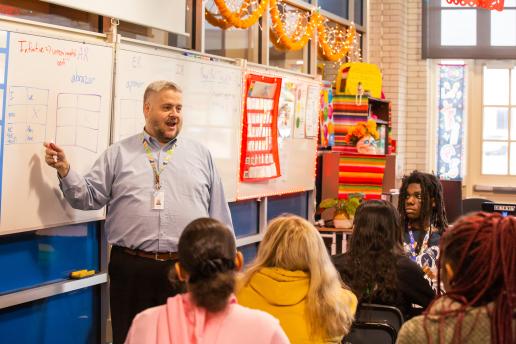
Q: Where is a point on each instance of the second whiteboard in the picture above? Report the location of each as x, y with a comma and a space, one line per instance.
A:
212, 94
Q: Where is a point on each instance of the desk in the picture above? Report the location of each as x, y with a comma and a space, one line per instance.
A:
333, 233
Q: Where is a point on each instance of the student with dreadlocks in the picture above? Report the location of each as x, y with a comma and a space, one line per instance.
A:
423, 217
478, 270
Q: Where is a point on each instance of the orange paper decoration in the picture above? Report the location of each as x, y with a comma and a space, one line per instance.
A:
235, 18
332, 51
329, 52
279, 35
487, 4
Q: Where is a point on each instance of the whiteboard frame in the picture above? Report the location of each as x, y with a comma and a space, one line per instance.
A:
191, 53
22, 26
42, 29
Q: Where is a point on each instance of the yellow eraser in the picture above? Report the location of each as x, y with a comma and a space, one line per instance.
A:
89, 273
77, 274
82, 273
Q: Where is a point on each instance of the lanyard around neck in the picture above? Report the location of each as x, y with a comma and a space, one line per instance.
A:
157, 172
412, 245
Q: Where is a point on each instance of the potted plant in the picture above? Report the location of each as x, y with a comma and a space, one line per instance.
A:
344, 209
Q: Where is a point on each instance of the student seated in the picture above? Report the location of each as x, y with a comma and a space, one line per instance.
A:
376, 268
478, 270
293, 279
423, 219
208, 313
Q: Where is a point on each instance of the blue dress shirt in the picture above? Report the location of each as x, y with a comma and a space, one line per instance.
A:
122, 178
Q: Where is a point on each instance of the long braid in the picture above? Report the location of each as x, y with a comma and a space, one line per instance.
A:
482, 250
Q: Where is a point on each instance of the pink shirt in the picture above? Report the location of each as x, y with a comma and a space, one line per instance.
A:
180, 321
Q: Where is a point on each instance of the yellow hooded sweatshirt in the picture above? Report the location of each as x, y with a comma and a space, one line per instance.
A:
282, 293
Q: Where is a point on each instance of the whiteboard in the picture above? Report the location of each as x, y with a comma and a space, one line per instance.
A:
168, 15
52, 89
212, 97
297, 144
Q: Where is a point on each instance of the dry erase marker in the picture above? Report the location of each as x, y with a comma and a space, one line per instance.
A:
53, 146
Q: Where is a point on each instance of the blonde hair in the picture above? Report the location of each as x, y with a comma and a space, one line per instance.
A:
158, 86
292, 243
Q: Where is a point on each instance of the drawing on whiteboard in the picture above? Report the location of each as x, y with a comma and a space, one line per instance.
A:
136, 62
133, 84
78, 120
35, 47
214, 75
131, 117
26, 115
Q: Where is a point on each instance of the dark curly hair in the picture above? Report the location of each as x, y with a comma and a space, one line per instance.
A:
433, 211
375, 245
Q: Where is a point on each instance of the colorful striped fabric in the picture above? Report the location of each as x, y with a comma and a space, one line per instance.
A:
346, 113
345, 149
361, 173
347, 103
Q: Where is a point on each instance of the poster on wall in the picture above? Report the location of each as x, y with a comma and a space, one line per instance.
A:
312, 111
300, 113
287, 106
326, 135
259, 158
450, 146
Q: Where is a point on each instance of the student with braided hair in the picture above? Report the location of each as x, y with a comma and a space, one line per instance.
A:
208, 313
423, 218
478, 270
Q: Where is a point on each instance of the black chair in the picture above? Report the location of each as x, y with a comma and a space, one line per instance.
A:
472, 204
452, 197
370, 333
370, 312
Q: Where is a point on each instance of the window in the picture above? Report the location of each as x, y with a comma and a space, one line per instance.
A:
359, 12
149, 34
233, 43
458, 27
295, 60
338, 7
153, 35
499, 121
503, 27
353, 10
453, 31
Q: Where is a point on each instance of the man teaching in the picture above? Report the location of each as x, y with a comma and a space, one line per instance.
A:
154, 184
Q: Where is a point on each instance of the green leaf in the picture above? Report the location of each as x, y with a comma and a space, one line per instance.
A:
328, 203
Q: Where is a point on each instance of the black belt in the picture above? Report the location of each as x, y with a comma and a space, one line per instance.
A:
160, 256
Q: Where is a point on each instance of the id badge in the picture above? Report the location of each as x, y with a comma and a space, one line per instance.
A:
158, 200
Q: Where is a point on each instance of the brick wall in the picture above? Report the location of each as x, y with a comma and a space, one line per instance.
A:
394, 43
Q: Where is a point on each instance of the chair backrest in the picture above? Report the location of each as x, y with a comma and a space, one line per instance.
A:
472, 204
370, 312
370, 332
452, 197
